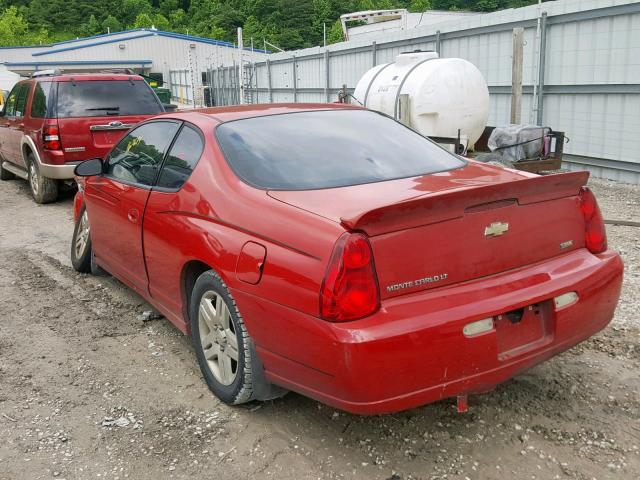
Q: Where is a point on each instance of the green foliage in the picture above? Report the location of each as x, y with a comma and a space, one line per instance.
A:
13, 28
419, 6
335, 35
288, 24
111, 24
92, 27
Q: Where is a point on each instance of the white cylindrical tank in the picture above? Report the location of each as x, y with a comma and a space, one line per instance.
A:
443, 95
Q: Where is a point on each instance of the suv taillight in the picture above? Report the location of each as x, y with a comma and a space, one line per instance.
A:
350, 287
595, 235
51, 137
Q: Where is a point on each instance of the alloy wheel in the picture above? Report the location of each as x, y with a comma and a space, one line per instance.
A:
33, 178
82, 237
218, 337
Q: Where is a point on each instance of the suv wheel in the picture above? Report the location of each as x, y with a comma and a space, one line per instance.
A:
81, 253
43, 189
5, 174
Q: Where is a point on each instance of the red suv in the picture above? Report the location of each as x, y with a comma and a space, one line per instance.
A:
53, 121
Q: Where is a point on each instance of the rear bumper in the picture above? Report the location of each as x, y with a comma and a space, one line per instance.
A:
58, 172
413, 351
52, 165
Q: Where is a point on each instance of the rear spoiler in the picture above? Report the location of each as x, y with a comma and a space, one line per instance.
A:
450, 204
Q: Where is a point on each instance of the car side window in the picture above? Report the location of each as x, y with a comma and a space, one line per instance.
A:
21, 100
137, 157
10, 109
40, 99
182, 158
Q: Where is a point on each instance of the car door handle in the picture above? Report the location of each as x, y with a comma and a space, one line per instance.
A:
133, 215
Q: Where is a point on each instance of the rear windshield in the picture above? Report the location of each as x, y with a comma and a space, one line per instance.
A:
326, 149
98, 98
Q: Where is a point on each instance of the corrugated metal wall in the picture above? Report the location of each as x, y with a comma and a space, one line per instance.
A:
591, 73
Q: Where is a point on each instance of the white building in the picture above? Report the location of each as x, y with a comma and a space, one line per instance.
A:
180, 59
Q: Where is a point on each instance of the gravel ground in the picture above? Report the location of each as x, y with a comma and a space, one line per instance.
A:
90, 387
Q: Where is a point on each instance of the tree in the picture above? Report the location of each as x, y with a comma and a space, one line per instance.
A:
13, 27
92, 27
111, 24
143, 20
321, 16
160, 22
419, 6
335, 35
132, 9
168, 6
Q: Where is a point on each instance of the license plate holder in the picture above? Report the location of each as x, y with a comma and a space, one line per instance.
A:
524, 329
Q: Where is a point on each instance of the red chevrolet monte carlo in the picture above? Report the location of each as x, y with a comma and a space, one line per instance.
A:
332, 251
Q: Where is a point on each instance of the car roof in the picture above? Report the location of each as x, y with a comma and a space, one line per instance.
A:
85, 77
239, 112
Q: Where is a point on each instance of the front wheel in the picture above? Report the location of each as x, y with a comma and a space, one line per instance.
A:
43, 189
81, 244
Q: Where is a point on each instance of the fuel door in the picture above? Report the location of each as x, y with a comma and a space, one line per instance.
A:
251, 262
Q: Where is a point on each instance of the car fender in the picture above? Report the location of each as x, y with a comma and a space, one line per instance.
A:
28, 141
78, 202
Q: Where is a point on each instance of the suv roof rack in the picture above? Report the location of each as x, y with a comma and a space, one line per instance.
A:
45, 73
127, 71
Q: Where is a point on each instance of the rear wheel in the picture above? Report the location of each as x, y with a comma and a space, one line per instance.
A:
81, 244
5, 174
224, 349
43, 189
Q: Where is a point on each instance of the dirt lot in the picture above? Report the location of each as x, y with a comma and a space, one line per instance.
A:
89, 388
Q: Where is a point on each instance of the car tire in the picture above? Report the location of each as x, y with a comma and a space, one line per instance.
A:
43, 189
81, 251
219, 334
5, 174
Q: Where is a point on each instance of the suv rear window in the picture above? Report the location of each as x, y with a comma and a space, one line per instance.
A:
99, 98
327, 149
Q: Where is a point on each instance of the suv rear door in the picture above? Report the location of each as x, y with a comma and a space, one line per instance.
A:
93, 115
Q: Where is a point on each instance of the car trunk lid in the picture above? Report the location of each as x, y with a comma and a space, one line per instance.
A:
458, 226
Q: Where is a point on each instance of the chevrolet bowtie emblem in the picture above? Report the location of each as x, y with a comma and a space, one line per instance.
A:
495, 229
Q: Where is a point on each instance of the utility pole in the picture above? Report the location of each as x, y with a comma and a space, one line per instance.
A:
516, 75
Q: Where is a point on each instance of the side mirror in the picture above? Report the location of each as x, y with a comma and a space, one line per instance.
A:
89, 168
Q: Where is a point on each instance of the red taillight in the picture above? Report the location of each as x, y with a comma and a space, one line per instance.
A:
595, 235
51, 137
350, 287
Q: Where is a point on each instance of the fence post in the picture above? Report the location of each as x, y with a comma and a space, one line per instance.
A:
516, 75
327, 93
269, 92
295, 78
374, 54
541, 67
438, 42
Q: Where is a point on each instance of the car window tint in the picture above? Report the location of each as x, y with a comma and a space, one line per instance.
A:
40, 99
182, 158
327, 149
99, 98
21, 100
10, 108
138, 156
